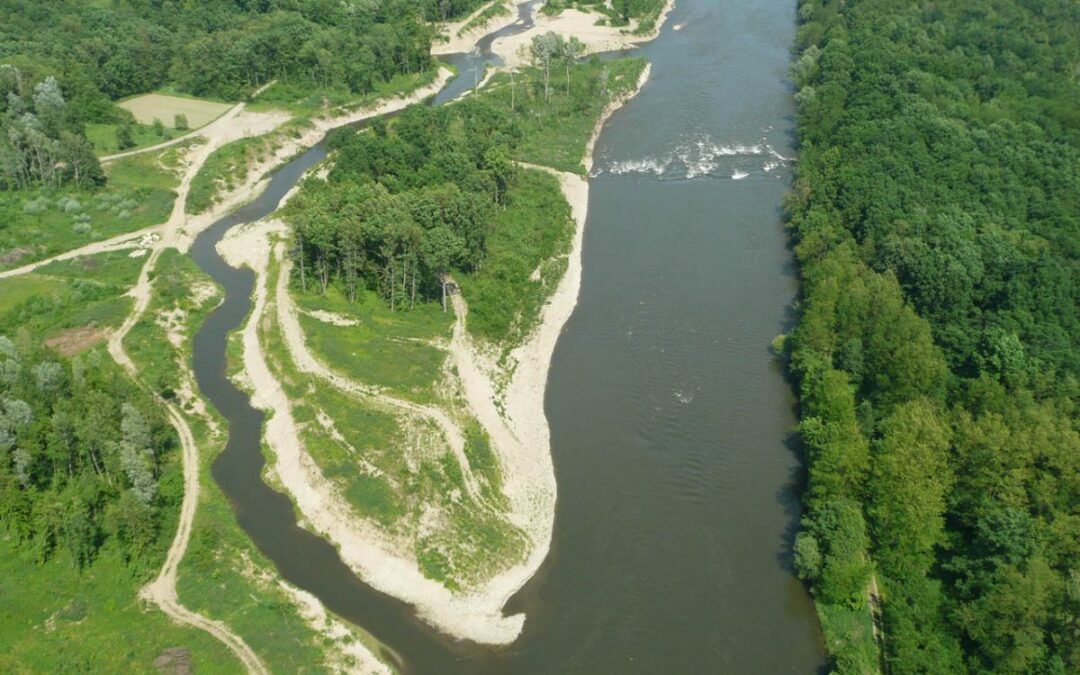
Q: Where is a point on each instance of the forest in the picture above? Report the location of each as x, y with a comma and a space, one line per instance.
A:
64, 64
937, 225
401, 208
82, 457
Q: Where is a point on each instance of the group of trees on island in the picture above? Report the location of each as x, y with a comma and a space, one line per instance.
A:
937, 221
410, 200
81, 457
403, 207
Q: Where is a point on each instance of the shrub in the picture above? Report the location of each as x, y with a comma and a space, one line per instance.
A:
68, 205
36, 205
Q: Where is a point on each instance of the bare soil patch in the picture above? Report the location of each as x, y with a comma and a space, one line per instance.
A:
148, 107
74, 340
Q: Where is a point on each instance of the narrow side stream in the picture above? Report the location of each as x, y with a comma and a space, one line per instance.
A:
304, 559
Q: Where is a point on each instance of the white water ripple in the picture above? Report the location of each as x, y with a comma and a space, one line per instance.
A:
701, 156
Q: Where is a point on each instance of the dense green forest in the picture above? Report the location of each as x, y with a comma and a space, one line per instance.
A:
105, 51
39, 143
82, 453
64, 64
399, 209
937, 221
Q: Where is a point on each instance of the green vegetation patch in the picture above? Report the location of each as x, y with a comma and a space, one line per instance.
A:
556, 131
226, 168
108, 138
56, 618
70, 304
495, 9
385, 349
533, 234
36, 224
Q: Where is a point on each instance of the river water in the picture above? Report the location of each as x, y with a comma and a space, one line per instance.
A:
671, 424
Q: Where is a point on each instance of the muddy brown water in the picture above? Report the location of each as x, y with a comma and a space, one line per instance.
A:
671, 424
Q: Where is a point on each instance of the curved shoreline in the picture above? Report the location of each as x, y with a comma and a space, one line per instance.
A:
520, 434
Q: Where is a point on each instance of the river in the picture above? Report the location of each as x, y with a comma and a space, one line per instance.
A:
671, 424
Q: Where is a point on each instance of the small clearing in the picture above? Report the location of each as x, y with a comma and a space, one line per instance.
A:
148, 107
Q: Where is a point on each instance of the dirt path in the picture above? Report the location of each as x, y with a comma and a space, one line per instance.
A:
171, 142
162, 591
117, 243
308, 363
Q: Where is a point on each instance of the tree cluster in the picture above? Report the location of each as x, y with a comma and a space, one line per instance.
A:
405, 205
38, 145
101, 52
938, 350
81, 457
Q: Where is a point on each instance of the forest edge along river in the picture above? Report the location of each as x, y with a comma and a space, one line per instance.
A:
573, 626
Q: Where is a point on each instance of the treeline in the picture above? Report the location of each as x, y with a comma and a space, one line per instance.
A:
39, 144
937, 221
619, 12
81, 457
101, 52
405, 205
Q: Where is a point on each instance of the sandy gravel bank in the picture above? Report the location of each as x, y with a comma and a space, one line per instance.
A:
466, 42
514, 49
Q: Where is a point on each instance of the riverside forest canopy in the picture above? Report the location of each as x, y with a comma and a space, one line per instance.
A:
217, 48
937, 217
64, 64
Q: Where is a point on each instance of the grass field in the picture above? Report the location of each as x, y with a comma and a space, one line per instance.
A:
148, 107
70, 305
45, 222
387, 349
103, 137
55, 618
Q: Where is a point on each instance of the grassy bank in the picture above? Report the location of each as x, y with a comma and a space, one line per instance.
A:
556, 132
303, 101
56, 618
395, 469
